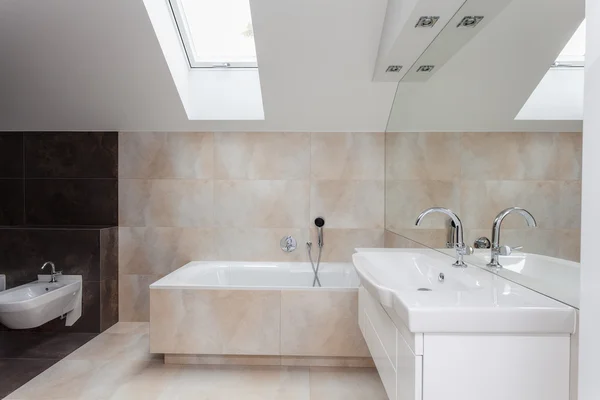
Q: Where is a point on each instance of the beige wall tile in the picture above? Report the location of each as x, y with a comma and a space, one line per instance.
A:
569, 156
249, 244
509, 156
407, 199
166, 155
134, 296
570, 245
321, 323
166, 203
561, 243
347, 156
262, 155
159, 251
427, 156
482, 201
538, 171
227, 321
348, 204
261, 204
570, 205
416, 238
340, 243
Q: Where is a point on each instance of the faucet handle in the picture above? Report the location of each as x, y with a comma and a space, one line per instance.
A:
465, 250
507, 250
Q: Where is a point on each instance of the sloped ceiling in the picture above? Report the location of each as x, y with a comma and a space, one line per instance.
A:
485, 85
97, 65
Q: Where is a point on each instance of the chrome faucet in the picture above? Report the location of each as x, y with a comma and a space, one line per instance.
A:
53, 272
498, 250
461, 248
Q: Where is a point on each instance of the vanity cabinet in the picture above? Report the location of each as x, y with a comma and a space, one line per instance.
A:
461, 366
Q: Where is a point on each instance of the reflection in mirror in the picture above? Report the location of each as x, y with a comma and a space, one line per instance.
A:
478, 168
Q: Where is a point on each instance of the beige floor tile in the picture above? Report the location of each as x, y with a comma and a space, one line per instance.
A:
129, 328
240, 383
94, 380
114, 346
345, 384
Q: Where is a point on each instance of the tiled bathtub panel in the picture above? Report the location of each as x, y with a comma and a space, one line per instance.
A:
215, 321
321, 323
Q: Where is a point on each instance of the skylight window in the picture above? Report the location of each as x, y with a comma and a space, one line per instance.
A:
216, 33
573, 55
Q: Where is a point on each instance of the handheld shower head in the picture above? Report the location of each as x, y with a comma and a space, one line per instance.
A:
320, 222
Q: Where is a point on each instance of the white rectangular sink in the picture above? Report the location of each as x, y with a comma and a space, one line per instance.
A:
467, 300
554, 277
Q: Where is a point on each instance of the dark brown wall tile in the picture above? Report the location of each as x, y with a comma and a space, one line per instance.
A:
75, 252
71, 202
109, 253
71, 154
11, 202
11, 154
109, 303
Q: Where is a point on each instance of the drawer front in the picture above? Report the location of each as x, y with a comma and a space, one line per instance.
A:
362, 299
409, 373
383, 326
386, 370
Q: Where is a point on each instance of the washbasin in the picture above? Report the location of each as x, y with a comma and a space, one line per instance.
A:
555, 277
386, 273
33, 304
408, 284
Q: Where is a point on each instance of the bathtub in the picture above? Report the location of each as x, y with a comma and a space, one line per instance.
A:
265, 313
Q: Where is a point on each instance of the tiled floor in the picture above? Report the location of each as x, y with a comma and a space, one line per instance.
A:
117, 365
23, 355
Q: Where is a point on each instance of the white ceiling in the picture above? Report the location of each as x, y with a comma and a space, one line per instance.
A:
97, 65
485, 85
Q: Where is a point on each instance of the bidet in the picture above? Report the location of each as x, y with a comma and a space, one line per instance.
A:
33, 304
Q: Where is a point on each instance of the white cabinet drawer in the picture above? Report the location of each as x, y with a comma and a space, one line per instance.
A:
383, 326
386, 370
409, 373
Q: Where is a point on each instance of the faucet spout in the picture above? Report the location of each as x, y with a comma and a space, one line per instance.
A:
459, 246
495, 249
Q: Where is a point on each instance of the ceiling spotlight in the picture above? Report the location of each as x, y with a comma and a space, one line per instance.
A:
469, 22
427, 22
426, 68
394, 68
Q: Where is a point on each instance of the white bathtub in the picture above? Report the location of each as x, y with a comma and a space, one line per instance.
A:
258, 312
258, 276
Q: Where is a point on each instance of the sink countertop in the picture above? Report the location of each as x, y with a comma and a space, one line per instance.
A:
469, 300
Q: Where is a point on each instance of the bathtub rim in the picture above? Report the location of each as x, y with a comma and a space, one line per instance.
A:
190, 286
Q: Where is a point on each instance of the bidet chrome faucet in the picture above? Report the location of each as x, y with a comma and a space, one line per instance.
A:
498, 250
461, 248
53, 272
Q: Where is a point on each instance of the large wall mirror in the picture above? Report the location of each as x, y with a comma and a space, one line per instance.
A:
478, 175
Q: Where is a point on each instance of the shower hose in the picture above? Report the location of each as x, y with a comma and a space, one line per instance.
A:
315, 269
